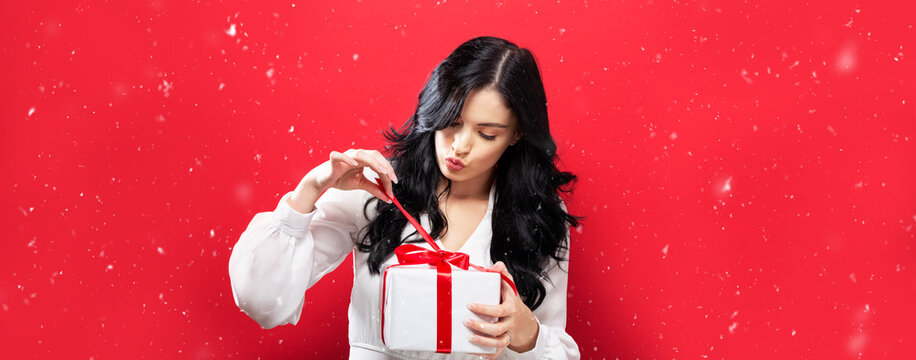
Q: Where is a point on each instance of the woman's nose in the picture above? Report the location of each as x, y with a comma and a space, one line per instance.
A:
461, 144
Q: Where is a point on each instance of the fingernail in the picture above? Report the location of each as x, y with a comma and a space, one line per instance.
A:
474, 338
354, 163
468, 322
472, 306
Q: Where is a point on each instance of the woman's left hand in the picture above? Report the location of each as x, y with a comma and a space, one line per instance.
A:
516, 327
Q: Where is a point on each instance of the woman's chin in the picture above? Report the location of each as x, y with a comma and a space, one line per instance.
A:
450, 174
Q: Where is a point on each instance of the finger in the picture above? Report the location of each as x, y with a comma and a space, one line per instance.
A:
386, 183
486, 328
386, 164
500, 341
367, 185
490, 310
368, 159
392, 175
380, 165
501, 267
365, 158
341, 159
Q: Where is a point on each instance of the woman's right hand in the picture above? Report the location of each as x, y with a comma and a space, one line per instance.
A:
344, 171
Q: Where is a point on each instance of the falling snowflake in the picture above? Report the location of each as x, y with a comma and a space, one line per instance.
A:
728, 185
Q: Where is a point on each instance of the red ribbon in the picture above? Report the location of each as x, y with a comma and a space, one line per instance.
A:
410, 254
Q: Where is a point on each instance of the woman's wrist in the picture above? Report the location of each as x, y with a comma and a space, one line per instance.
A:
304, 197
527, 338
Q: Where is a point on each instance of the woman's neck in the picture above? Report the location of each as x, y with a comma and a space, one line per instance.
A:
476, 188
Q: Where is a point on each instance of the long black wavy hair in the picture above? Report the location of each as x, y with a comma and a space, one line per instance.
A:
530, 225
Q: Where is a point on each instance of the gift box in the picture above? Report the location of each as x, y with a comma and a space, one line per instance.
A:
424, 297
411, 306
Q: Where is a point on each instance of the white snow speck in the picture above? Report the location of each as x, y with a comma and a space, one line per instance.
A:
231, 31
165, 87
109, 267
665, 250
270, 73
673, 135
212, 233
291, 129
731, 328
31, 110
728, 185
852, 276
793, 332
160, 250
355, 57
745, 77
222, 86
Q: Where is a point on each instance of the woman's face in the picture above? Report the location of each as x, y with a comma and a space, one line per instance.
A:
477, 138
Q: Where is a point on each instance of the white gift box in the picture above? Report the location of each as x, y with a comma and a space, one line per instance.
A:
410, 307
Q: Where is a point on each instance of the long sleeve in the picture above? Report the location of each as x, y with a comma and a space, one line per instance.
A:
552, 341
283, 253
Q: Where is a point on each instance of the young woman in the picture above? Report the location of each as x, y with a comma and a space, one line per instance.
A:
475, 166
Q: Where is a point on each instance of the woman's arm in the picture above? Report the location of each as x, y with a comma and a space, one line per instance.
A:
283, 253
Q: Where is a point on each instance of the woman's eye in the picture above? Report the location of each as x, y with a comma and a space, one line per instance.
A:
488, 137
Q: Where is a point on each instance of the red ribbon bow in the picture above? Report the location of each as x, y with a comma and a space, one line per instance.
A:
413, 254
410, 254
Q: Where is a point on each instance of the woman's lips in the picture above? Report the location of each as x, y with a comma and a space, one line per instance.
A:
454, 163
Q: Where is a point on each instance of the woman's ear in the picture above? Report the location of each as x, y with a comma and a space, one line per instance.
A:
516, 138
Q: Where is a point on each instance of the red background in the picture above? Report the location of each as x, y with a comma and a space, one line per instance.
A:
746, 171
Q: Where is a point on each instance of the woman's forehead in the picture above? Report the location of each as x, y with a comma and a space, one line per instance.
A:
485, 107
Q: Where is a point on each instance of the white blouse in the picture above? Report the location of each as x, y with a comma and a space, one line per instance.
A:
284, 253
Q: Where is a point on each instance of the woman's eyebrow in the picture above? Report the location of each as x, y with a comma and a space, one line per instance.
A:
493, 125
